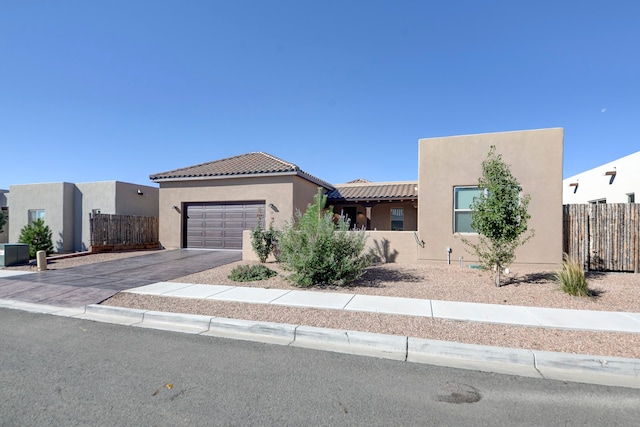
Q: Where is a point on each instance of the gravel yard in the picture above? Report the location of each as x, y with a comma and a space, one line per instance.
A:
527, 287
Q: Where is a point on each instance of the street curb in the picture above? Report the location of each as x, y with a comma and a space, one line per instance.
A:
351, 342
611, 371
188, 323
500, 360
42, 308
117, 315
601, 370
249, 330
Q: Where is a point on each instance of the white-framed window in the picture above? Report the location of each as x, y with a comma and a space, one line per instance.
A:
35, 214
397, 219
598, 202
631, 197
462, 200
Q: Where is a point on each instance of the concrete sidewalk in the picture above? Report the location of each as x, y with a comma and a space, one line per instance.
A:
491, 313
623, 372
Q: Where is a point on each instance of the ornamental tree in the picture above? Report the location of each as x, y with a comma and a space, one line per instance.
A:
499, 215
38, 236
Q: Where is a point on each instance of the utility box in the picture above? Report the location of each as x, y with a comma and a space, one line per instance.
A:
13, 254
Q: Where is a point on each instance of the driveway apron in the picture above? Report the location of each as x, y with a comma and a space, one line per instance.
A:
93, 283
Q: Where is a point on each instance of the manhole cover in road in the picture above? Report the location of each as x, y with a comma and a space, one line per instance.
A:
460, 393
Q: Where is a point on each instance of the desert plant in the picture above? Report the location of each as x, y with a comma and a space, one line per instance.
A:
38, 236
499, 215
572, 279
263, 241
250, 273
319, 248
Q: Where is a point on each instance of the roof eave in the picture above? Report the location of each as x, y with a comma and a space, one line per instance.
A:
245, 175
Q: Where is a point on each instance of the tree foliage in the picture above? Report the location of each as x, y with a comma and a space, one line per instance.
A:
319, 248
38, 236
3, 220
499, 215
263, 241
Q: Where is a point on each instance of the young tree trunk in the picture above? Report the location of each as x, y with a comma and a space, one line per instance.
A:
497, 278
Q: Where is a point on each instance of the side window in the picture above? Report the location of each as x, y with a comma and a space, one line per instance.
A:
462, 200
397, 219
35, 214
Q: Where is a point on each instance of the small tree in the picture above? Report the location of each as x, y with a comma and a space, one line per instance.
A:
262, 240
499, 216
3, 220
38, 236
320, 249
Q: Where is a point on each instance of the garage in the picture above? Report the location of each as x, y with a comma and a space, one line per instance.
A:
219, 225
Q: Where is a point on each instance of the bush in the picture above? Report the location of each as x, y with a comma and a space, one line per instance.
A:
320, 249
250, 273
37, 236
572, 279
263, 241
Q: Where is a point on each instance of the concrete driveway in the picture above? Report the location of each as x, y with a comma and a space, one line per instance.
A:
93, 283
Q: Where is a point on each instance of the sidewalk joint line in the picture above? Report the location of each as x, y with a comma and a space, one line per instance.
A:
348, 302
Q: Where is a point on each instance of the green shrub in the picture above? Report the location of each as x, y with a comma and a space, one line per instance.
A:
250, 273
572, 279
263, 241
38, 236
3, 219
319, 248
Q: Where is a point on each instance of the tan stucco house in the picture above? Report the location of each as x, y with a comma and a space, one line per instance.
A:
212, 204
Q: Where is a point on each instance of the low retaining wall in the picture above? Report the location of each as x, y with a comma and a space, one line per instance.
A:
125, 247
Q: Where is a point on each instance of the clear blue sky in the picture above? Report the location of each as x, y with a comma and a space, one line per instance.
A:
121, 89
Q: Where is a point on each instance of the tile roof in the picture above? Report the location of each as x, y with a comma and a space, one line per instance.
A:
374, 191
256, 163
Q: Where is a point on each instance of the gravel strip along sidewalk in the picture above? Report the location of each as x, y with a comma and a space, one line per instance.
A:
525, 287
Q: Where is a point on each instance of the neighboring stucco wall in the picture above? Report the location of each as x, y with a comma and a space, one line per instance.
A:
110, 197
57, 200
134, 199
594, 184
535, 159
276, 190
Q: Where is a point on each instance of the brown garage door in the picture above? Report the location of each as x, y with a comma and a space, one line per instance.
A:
220, 225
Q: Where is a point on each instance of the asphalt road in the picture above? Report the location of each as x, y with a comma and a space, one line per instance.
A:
63, 371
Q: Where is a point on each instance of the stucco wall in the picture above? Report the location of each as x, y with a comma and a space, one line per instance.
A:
303, 193
594, 184
110, 197
276, 190
535, 159
56, 199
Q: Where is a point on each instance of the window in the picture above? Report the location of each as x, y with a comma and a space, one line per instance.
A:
397, 219
35, 214
599, 201
631, 198
462, 200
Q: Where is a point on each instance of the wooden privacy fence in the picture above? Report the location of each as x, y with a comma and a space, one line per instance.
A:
123, 232
603, 237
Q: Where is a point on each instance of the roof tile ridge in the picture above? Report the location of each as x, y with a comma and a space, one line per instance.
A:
293, 166
201, 164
